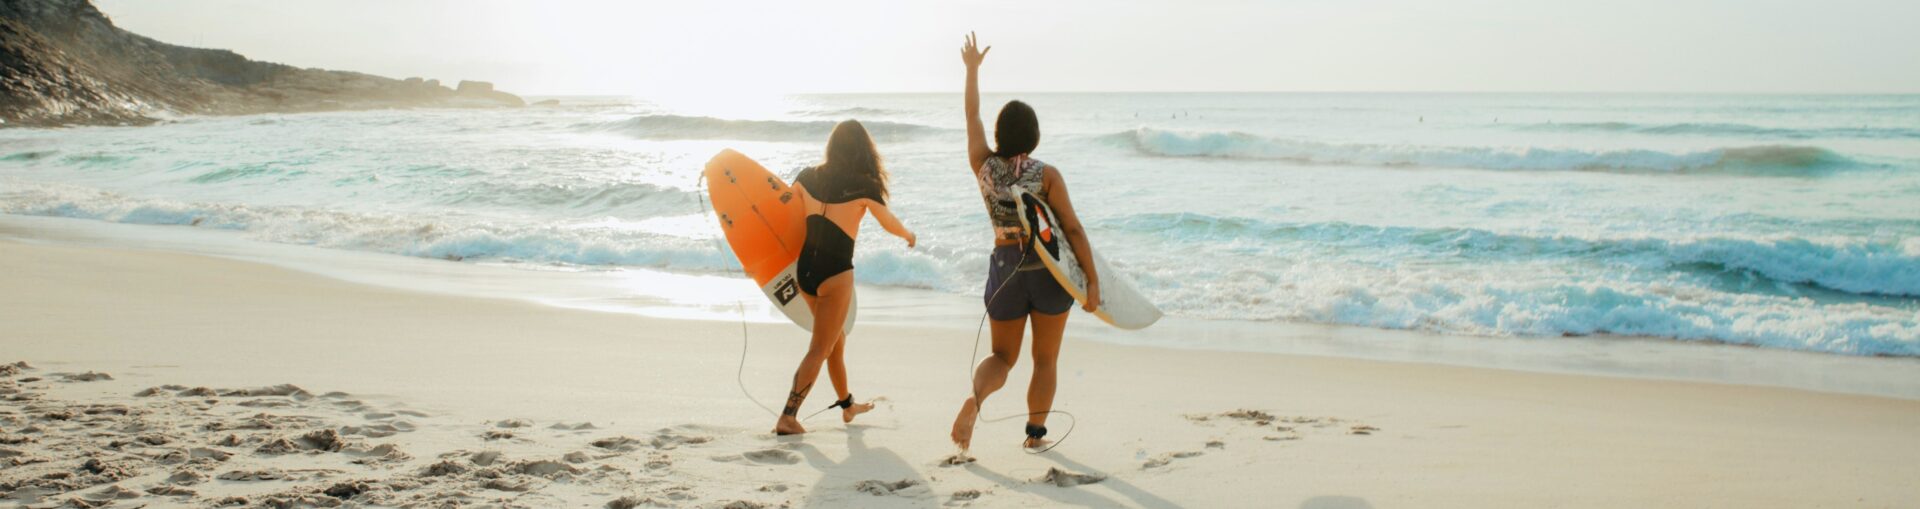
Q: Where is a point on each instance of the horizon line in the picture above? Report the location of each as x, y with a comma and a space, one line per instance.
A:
1304, 92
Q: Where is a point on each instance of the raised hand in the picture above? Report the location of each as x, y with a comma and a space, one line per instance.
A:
971, 54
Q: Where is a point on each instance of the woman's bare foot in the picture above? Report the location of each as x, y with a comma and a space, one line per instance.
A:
788, 425
963, 424
846, 414
1036, 443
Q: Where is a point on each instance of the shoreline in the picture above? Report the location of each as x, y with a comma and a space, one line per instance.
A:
717, 297
1159, 424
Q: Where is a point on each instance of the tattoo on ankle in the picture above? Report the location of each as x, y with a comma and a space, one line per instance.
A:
794, 399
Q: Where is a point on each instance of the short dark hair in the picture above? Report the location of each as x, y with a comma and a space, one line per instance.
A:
1017, 131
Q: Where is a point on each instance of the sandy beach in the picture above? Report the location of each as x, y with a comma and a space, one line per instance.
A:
169, 379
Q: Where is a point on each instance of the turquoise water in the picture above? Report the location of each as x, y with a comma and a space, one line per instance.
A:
1777, 221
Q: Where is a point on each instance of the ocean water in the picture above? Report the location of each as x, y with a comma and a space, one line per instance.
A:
1789, 222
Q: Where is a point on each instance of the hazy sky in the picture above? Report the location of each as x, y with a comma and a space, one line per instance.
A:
709, 47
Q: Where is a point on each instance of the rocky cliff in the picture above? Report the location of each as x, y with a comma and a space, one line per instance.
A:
65, 63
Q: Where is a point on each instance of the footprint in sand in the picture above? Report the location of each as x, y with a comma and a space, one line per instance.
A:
266, 403
515, 484
549, 469
276, 390
186, 477
14, 369
617, 444
963, 497
903, 487
772, 457
1291, 427
680, 493
1065, 479
89, 376
371, 430
444, 468
1164, 459
658, 462
668, 439
763, 456
484, 458
172, 491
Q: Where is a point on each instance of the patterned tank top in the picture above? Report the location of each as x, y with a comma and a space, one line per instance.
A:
998, 177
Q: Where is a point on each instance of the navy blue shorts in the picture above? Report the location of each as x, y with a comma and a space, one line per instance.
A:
1031, 290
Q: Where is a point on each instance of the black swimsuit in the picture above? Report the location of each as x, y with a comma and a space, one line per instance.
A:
828, 250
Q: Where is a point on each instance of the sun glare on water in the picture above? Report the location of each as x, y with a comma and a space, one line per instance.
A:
725, 101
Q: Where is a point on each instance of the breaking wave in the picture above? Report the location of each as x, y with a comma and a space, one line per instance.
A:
1764, 159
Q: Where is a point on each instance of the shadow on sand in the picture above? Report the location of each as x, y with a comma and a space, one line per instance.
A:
1078, 495
862, 463
1335, 502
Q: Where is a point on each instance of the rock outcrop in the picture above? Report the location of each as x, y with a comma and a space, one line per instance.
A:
65, 63
484, 92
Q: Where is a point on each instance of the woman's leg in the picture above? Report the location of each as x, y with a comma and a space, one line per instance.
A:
990, 376
1047, 331
837, 368
837, 371
829, 314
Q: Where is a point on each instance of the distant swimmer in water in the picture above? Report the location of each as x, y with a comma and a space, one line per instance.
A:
837, 194
1019, 288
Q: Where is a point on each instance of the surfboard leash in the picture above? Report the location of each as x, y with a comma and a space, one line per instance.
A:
1072, 422
740, 371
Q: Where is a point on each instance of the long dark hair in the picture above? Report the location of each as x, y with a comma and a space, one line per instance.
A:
1017, 131
851, 155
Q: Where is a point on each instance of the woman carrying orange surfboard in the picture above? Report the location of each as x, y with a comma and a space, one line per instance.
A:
837, 194
1019, 288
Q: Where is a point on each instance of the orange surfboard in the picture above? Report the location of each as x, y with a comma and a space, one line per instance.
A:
765, 224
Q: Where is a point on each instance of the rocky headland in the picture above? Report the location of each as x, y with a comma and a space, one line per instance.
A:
63, 62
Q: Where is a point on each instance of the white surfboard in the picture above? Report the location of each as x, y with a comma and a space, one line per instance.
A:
1120, 303
784, 293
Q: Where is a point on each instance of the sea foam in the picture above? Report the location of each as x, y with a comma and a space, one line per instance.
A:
1760, 159
1728, 130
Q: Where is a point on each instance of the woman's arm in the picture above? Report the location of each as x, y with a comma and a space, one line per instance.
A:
1056, 187
977, 150
892, 224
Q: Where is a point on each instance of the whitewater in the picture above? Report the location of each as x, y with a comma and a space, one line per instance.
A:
1789, 222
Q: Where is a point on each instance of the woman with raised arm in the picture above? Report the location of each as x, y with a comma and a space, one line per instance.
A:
836, 194
1019, 288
